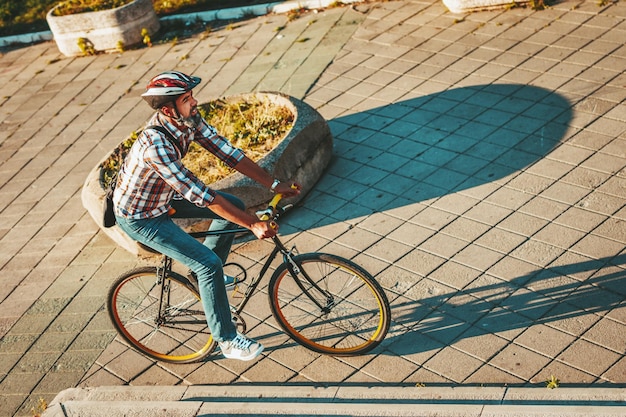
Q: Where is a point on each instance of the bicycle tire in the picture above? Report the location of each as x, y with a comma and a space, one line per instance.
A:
354, 322
179, 335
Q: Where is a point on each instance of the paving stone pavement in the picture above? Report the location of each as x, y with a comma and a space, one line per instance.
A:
479, 174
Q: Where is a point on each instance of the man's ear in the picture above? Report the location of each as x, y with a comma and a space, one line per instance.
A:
167, 110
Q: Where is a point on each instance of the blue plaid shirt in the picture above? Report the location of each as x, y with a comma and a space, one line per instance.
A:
152, 173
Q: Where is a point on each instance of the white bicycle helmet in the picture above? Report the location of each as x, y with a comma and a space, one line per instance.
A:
167, 87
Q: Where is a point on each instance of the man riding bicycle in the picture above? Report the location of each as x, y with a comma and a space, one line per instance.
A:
153, 182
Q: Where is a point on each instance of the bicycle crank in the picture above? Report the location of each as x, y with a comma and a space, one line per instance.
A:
239, 321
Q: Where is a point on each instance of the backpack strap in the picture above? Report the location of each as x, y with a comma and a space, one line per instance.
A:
168, 135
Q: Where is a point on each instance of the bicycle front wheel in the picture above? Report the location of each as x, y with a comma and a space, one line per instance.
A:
165, 322
329, 305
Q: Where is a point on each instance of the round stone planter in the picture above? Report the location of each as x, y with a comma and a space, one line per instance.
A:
105, 29
302, 155
467, 6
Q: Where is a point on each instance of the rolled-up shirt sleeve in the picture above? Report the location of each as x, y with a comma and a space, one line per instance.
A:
209, 139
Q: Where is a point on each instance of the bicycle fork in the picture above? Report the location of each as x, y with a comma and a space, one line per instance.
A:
297, 272
164, 295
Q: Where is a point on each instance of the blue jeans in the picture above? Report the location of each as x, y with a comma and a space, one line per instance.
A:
206, 260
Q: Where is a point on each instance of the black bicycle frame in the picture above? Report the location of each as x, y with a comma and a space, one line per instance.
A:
293, 268
162, 271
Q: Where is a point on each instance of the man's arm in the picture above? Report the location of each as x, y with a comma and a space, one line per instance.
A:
235, 158
226, 210
250, 169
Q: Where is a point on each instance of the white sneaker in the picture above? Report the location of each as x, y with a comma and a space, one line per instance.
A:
241, 348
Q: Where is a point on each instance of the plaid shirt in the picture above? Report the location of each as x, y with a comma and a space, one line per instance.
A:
153, 174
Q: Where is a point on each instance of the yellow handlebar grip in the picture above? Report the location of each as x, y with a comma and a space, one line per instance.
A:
275, 201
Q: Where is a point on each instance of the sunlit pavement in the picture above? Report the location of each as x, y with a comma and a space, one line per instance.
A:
478, 174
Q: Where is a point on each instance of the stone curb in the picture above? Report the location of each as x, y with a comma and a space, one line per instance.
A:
337, 400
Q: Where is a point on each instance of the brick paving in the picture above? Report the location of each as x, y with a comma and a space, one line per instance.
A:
479, 174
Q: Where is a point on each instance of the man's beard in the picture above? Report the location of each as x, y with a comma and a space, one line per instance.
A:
193, 121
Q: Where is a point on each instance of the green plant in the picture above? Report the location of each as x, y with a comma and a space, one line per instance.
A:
82, 6
254, 125
296, 13
146, 37
553, 382
539, 4
247, 14
533, 4
86, 46
41, 406
114, 161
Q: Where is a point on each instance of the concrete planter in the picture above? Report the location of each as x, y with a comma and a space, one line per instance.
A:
105, 29
467, 6
303, 155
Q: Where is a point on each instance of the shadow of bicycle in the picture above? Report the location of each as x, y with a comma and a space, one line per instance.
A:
555, 296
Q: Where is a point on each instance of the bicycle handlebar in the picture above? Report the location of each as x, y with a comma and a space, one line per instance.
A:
270, 212
274, 203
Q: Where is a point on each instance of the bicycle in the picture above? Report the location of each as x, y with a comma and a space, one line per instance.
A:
324, 302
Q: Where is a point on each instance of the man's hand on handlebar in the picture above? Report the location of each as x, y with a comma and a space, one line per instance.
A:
267, 227
288, 189
264, 229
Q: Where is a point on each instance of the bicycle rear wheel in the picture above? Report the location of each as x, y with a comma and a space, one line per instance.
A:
331, 306
174, 331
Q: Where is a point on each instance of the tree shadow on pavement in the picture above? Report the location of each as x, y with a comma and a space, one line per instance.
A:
431, 146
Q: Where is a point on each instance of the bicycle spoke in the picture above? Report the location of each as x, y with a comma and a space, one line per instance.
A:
331, 306
178, 333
